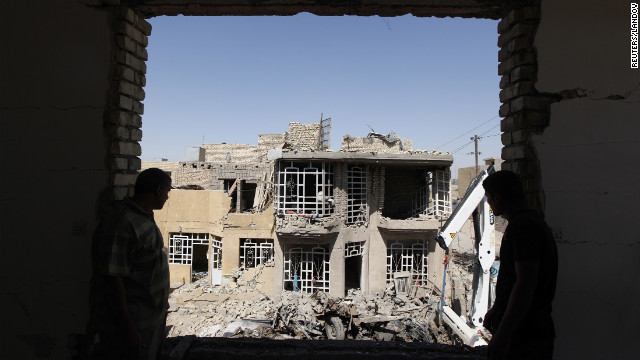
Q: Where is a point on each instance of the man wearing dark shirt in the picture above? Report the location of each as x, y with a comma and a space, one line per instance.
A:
520, 319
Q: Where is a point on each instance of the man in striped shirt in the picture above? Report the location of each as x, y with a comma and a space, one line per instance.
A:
130, 283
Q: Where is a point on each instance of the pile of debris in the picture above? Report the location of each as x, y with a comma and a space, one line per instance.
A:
240, 309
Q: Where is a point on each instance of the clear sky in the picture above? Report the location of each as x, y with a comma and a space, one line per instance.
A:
228, 79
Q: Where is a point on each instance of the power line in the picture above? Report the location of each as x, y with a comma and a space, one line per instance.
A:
458, 137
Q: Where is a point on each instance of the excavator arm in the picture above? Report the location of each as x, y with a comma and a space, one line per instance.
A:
472, 204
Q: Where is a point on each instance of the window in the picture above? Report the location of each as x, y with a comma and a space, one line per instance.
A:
181, 246
255, 252
356, 195
407, 256
306, 269
304, 188
433, 196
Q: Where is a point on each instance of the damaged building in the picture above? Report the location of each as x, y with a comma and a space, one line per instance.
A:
318, 219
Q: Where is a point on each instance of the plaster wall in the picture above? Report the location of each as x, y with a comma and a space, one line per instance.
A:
588, 158
53, 93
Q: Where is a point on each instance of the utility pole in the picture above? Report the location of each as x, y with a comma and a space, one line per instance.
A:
475, 139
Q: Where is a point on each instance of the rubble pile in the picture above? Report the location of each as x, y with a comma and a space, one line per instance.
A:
240, 309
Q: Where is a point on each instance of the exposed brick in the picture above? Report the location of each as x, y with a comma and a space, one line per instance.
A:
503, 54
503, 25
536, 119
526, 57
119, 132
135, 163
135, 134
126, 43
140, 79
127, 14
126, 148
134, 91
525, 72
514, 152
123, 179
143, 25
132, 61
125, 102
119, 163
130, 31
516, 30
125, 73
515, 16
518, 44
504, 110
506, 138
504, 81
138, 107
142, 53
519, 136
523, 103
517, 89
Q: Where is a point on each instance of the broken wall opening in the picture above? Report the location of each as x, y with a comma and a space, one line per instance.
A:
353, 262
200, 262
306, 268
412, 192
183, 248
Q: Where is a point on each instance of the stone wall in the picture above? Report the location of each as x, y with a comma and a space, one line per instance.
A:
372, 144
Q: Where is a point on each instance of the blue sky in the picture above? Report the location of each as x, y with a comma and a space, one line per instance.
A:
228, 79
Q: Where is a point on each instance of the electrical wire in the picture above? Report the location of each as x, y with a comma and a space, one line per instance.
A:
458, 137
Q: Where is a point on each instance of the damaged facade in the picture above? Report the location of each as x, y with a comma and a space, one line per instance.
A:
317, 219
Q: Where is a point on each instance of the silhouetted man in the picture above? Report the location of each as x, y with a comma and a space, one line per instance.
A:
520, 319
130, 284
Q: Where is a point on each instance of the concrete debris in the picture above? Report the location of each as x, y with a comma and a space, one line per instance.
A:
241, 310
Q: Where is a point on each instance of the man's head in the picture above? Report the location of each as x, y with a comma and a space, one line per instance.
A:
504, 192
153, 184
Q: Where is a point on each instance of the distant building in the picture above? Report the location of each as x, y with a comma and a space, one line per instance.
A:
315, 218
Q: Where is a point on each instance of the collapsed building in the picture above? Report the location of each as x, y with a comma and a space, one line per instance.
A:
319, 219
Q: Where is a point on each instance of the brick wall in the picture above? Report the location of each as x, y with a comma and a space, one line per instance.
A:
123, 123
239, 153
371, 144
525, 110
306, 136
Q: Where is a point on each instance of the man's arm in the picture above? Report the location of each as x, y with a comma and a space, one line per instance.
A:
519, 303
117, 301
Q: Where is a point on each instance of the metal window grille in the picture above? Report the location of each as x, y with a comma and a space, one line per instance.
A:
255, 252
354, 249
181, 246
356, 195
403, 256
306, 269
304, 188
216, 252
442, 193
420, 205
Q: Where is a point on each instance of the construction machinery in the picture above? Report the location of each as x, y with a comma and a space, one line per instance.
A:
474, 203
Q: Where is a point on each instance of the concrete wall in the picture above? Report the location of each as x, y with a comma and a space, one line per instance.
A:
54, 81
589, 156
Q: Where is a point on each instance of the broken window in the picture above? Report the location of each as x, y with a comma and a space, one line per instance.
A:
433, 196
306, 269
181, 246
407, 256
356, 195
442, 193
255, 252
304, 188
